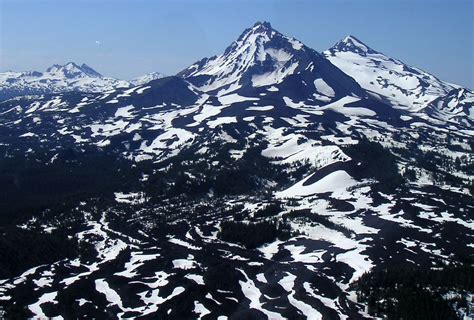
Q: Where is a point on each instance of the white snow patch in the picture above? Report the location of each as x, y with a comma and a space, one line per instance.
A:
338, 180
220, 121
324, 88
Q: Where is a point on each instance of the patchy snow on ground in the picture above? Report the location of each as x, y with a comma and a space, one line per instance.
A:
220, 121
132, 197
200, 309
335, 181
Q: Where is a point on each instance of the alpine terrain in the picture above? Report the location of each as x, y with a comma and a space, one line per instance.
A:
63, 78
269, 182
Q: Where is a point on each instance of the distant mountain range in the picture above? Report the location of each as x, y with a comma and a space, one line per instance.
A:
63, 78
269, 182
146, 78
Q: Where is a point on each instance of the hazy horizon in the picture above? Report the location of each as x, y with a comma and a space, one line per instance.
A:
125, 39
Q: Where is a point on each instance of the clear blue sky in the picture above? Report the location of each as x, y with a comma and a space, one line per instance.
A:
127, 38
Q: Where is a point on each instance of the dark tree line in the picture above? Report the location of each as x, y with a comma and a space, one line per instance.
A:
23, 249
375, 162
192, 175
253, 235
29, 186
270, 210
413, 292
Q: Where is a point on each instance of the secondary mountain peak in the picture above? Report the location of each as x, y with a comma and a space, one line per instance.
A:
57, 78
352, 44
393, 80
91, 72
72, 70
146, 78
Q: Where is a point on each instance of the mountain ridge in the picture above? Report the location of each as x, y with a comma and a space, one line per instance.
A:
396, 82
62, 78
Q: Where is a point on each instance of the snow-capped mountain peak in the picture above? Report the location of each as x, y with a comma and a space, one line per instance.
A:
263, 57
91, 72
62, 78
260, 35
57, 78
72, 70
392, 80
261, 27
146, 78
259, 50
352, 44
